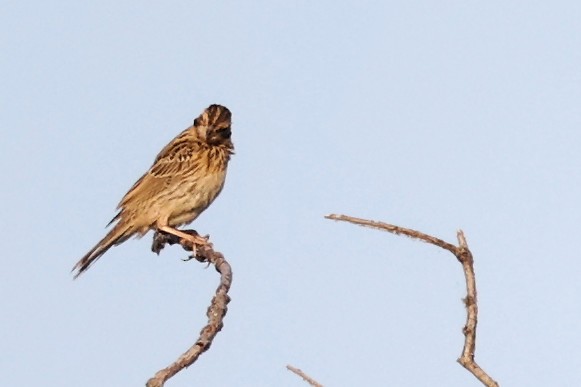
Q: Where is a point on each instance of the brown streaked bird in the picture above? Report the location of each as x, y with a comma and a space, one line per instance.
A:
185, 178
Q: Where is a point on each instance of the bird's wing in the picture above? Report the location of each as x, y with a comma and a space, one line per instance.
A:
181, 158
178, 159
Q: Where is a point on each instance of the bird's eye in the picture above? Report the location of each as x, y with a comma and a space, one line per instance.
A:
224, 132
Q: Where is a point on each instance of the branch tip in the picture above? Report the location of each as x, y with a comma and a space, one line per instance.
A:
303, 375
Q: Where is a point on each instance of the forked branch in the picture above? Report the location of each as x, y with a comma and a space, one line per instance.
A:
464, 256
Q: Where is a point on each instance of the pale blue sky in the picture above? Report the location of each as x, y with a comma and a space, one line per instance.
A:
430, 115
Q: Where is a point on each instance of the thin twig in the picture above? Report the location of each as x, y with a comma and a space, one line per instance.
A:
394, 230
464, 256
216, 311
305, 377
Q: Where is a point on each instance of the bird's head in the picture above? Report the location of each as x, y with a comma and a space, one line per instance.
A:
214, 125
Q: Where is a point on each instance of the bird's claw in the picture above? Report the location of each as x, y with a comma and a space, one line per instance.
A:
194, 253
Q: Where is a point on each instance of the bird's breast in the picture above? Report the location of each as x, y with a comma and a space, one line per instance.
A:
194, 197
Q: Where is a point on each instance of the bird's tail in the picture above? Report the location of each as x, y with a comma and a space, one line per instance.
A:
118, 234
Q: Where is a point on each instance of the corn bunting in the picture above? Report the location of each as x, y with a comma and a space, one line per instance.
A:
185, 178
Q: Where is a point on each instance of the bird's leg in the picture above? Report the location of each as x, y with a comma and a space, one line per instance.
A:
194, 239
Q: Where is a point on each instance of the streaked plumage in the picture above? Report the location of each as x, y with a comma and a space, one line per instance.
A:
185, 178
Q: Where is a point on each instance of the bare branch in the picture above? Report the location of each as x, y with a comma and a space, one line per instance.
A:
394, 230
305, 377
464, 256
216, 311
466, 359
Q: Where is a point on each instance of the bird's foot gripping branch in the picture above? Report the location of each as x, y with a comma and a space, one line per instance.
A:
193, 244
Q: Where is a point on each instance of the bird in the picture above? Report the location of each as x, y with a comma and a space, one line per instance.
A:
185, 178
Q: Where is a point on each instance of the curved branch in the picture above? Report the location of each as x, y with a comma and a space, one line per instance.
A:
216, 311
464, 256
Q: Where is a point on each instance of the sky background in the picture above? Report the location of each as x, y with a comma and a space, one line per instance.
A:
430, 115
